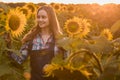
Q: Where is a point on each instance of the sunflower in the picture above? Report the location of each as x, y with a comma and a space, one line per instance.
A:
84, 27
71, 8
32, 7
25, 11
56, 6
50, 68
72, 26
76, 27
15, 22
63, 7
1, 10
2, 17
77, 7
2, 14
106, 33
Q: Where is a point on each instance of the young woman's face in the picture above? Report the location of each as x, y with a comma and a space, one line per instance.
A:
42, 19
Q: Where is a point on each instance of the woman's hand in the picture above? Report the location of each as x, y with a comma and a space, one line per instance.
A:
27, 75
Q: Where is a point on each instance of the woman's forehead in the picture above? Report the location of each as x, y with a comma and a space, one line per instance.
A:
42, 12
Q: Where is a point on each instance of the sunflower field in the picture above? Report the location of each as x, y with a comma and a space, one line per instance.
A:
91, 38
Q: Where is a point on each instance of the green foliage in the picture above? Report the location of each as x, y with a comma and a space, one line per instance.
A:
64, 70
66, 74
96, 55
100, 45
115, 26
90, 58
115, 29
7, 65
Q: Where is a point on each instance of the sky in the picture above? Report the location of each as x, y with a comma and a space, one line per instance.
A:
66, 1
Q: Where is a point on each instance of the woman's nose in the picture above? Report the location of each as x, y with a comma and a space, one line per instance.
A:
40, 19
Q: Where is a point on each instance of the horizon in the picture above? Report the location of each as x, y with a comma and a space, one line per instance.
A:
101, 2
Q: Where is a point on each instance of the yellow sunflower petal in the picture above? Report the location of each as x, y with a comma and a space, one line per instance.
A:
25, 11
56, 6
84, 27
77, 27
1, 10
72, 26
32, 7
71, 8
106, 33
15, 22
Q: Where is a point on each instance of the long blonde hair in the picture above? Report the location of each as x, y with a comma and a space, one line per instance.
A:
54, 25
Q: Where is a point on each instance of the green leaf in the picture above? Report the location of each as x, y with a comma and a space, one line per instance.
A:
100, 45
115, 27
4, 69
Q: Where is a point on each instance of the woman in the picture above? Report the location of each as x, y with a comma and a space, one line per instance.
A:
39, 43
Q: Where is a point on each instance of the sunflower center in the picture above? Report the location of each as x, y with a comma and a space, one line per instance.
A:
70, 8
56, 7
73, 27
31, 7
1, 10
25, 11
14, 22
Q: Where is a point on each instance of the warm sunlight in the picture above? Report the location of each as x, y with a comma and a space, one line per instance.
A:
66, 1
60, 39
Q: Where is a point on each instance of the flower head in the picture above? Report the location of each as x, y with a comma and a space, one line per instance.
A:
77, 27
106, 33
15, 22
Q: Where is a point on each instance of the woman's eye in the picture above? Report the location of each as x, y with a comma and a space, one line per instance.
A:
38, 16
43, 17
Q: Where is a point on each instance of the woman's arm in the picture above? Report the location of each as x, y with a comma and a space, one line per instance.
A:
60, 50
24, 54
23, 50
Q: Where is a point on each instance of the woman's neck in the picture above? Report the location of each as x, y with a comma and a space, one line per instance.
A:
45, 31
45, 35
